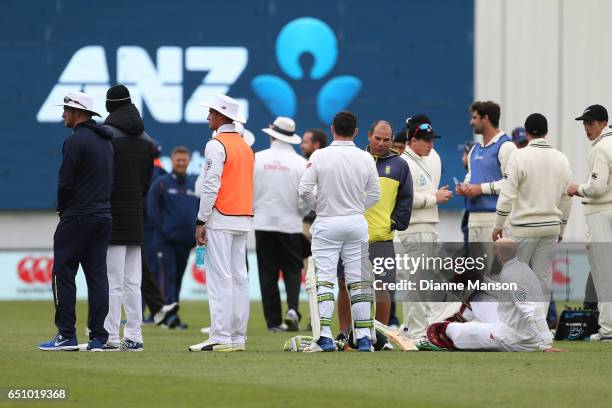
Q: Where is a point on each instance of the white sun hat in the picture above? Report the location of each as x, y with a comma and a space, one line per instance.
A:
283, 129
79, 100
226, 106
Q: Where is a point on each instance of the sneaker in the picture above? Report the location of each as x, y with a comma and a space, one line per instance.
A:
281, 328
292, 321
211, 346
164, 312
425, 345
324, 344
205, 330
131, 345
59, 342
96, 345
598, 337
365, 344
238, 347
174, 322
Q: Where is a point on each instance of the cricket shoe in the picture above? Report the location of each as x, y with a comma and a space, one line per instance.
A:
205, 330
131, 345
60, 343
292, 321
209, 345
96, 345
598, 337
164, 312
365, 344
324, 344
424, 345
238, 347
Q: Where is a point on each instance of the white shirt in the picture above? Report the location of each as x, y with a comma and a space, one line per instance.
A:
518, 310
208, 185
597, 192
276, 203
426, 172
533, 192
346, 180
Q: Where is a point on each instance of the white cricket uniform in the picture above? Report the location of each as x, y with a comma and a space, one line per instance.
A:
421, 237
225, 260
276, 204
534, 199
480, 224
522, 324
347, 184
597, 202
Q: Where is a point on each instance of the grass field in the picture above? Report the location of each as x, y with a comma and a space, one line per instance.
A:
166, 374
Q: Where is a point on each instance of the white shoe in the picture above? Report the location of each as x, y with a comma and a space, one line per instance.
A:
165, 311
209, 345
238, 347
292, 321
205, 330
598, 337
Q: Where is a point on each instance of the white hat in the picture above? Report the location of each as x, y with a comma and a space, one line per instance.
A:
226, 106
247, 135
79, 100
283, 129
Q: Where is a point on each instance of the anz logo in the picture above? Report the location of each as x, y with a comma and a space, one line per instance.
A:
159, 84
306, 35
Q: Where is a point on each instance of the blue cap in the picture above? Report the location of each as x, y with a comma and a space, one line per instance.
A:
519, 135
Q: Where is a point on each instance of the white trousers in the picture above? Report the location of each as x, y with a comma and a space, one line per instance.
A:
537, 253
418, 312
600, 261
346, 237
124, 278
227, 285
485, 336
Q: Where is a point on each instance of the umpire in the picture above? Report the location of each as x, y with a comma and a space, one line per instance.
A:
84, 229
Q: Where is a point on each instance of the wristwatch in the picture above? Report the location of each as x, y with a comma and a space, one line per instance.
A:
200, 222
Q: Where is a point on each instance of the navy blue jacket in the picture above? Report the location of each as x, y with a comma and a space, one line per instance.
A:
86, 174
172, 206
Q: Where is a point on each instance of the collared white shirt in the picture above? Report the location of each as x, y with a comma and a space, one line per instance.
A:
426, 173
209, 183
276, 202
346, 180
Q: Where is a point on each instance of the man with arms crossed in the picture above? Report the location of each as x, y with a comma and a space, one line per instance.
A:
347, 185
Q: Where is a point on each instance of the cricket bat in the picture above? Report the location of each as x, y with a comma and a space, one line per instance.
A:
396, 337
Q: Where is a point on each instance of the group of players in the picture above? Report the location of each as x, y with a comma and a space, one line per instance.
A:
364, 201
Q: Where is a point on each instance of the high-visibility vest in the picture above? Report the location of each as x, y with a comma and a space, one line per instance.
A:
236, 193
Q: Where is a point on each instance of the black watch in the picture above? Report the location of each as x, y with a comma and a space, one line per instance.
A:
200, 222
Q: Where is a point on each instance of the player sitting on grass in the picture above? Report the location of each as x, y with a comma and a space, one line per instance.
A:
520, 326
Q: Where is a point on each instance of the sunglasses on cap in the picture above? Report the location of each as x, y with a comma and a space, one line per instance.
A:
68, 100
422, 127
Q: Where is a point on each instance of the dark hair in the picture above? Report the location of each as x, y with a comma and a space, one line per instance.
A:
378, 122
318, 136
401, 136
413, 121
345, 123
489, 109
180, 149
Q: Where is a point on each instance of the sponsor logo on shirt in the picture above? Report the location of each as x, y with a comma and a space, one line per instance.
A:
422, 180
276, 166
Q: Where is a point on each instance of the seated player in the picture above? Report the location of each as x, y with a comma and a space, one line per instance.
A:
520, 325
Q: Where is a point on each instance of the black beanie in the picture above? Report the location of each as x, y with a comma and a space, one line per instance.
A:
536, 124
117, 96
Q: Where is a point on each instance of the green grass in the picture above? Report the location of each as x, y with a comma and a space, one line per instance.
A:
166, 374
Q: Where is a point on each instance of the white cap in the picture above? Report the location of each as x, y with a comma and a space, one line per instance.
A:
283, 129
226, 106
79, 100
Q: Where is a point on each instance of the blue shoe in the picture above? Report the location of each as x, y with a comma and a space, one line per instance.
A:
364, 344
130, 345
324, 344
96, 345
59, 342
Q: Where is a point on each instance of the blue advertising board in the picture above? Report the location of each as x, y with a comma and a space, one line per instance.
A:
308, 60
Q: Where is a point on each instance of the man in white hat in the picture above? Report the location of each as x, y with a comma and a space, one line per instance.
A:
82, 235
224, 218
278, 223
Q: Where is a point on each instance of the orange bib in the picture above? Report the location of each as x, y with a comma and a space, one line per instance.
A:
236, 193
